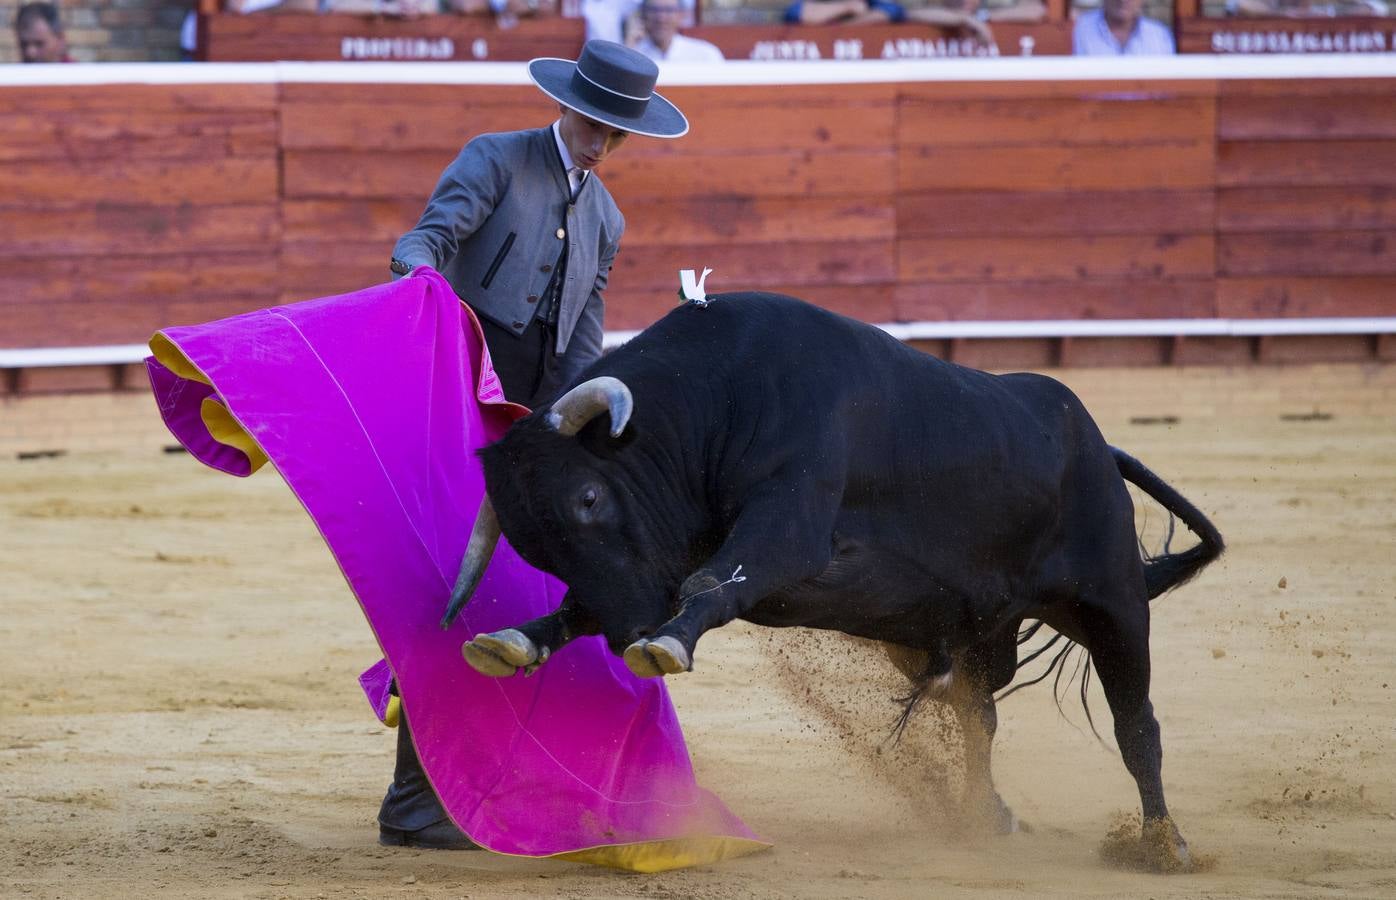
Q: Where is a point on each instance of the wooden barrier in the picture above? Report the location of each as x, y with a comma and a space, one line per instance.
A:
230, 37
124, 207
129, 207
1366, 34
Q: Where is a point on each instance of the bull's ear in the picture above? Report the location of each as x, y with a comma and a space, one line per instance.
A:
595, 437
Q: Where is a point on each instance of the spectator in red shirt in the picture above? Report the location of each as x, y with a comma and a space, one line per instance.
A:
40, 34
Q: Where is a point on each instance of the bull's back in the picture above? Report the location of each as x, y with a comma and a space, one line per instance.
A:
817, 376
769, 355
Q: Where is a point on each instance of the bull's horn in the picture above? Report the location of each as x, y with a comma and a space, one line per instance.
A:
483, 538
590, 399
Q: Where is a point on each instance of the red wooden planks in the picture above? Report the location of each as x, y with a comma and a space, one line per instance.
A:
1279, 297
1321, 208
1047, 168
1316, 162
1144, 257
1001, 213
1054, 121
1308, 253
1178, 298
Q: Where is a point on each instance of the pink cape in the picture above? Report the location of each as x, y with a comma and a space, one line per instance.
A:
361, 402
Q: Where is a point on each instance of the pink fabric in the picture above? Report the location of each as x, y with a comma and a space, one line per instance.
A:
361, 402
377, 684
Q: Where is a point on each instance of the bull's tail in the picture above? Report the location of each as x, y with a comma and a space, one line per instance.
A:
1165, 571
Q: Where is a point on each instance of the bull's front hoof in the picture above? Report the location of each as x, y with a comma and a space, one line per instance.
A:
502, 653
662, 656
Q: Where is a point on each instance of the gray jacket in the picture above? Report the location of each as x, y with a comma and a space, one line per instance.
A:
491, 228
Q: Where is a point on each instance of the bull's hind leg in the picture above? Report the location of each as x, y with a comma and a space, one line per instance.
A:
1117, 635
969, 689
985, 668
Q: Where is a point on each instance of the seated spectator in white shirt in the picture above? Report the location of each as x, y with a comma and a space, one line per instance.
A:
661, 40
1119, 28
605, 19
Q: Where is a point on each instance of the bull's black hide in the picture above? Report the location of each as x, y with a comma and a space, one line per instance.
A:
789, 466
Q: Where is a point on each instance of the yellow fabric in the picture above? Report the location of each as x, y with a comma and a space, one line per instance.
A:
393, 714
661, 856
172, 358
220, 423
226, 430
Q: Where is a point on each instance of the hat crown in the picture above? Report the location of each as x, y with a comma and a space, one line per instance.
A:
613, 84
618, 69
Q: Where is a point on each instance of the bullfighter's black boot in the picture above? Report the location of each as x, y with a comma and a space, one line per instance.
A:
411, 815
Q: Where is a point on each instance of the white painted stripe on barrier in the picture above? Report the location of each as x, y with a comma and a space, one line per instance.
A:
1261, 327
912, 331
737, 72
1035, 68
45, 357
1059, 328
19, 75
120, 354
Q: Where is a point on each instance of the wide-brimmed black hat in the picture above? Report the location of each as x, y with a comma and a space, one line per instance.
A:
613, 84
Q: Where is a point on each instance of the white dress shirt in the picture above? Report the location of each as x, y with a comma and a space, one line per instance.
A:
1092, 37
575, 175
605, 19
681, 50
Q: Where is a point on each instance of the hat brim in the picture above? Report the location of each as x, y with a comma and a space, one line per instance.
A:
661, 118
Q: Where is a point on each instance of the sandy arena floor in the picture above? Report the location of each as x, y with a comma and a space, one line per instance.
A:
179, 716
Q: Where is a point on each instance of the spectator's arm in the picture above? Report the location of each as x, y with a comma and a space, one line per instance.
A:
1022, 11
395, 9
1253, 8
953, 20
252, 6
825, 12
1364, 8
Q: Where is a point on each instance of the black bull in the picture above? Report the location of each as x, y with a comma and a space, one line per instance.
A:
764, 459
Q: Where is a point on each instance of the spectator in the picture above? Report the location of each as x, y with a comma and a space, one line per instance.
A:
1119, 28
506, 12
606, 19
843, 12
40, 34
661, 40
189, 36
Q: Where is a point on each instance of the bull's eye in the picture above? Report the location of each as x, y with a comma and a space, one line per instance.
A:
589, 498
